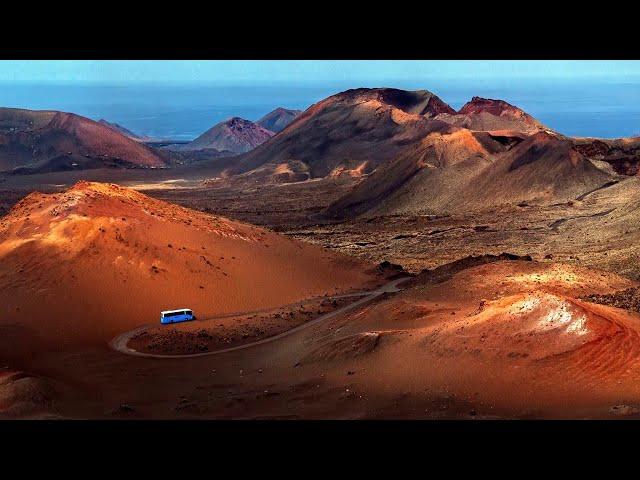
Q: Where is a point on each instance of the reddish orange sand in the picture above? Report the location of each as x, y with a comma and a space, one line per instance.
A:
502, 340
507, 339
510, 338
84, 265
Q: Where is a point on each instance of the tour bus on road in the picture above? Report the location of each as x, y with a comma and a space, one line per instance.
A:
175, 316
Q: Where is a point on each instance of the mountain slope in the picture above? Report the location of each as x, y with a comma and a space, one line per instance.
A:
423, 177
124, 131
543, 169
462, 170
355, 129
278, 119
488, 115
235, 135
38, 141
98, 259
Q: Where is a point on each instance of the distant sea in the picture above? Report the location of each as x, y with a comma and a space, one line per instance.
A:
583, 108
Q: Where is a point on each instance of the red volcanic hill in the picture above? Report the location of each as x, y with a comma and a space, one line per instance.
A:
621, 154
458, 170
235, 135
356, 130
98, 259
41, 141
278, 119
493, 115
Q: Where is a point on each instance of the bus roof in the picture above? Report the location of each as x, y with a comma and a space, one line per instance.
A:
164, 312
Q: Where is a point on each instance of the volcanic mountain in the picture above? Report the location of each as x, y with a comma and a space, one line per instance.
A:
493, 115
458, 170
42, 141
124, 131
98, 259
622, 155
278, 119
235, 135
357, 129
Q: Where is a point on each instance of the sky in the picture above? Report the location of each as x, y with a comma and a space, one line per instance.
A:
181, 99
307, 72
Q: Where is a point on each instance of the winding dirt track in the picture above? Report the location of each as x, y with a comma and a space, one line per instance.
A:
120, 342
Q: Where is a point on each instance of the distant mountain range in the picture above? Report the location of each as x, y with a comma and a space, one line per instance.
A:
416, 154
278, 119
41, 141
412, 151
236, 135
44, 141
359, 130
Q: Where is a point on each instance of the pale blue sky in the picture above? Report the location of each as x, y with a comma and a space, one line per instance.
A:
308, 72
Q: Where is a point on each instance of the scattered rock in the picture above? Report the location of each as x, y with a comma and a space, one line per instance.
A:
125, 408
624, 410
404, 235
628, 299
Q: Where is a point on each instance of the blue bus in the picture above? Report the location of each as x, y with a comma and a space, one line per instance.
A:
175, 316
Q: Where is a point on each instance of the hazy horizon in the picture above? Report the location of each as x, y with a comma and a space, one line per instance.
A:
579, 98
301, 72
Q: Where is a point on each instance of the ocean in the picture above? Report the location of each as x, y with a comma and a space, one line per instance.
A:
582, 108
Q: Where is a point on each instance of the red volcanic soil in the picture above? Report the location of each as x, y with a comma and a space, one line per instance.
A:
98, 259
216, 334
94, 137
235, 135
510, 337
36, 141
23, 395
